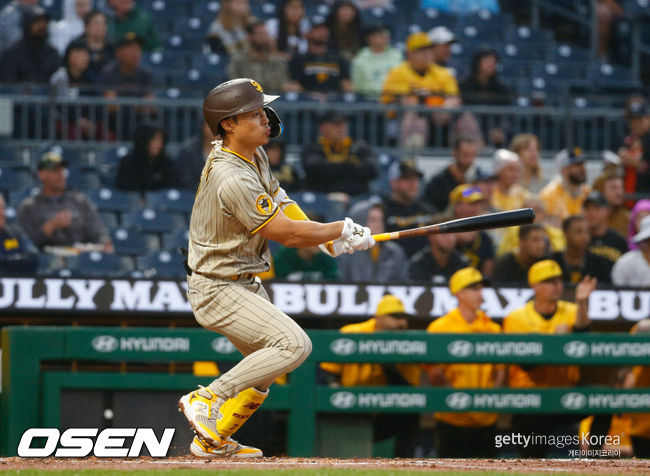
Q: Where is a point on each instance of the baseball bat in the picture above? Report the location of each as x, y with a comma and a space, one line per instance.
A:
522, 216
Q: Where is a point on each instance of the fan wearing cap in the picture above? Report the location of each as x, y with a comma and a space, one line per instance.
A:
336, 162
477, 246
321, 69
576, 260
605, 242
633, 268
128, 17
565, 195
508, 194
547, 313
418, 80
390, 316
455, 430
403, 209
59, 217
238, 207
31, 59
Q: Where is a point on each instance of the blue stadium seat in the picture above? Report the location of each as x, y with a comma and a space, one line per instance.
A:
169, 60
163, 264
97, 263
171, 200
172, 241
16, 197
107, 199
12, 180
318, 203
7, 154
129, 242
83, 180
148, 220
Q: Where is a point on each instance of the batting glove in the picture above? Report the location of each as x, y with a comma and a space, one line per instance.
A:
336, 248
359, 237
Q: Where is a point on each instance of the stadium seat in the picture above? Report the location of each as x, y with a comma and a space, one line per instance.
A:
148, 220
173, 241
83, 180
12, 180
171, 200
7, 154
318, 203
107, 199
163, 264
129, 242
97, 263
169, 60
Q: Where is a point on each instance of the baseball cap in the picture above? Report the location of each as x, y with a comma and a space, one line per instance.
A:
51, 159
403, 169
568, 157
644, 231
417, 41
391, 306
464, 278
441, 35
637, 108
595, 198
479, 174
611, 157
465, 193
502, 158
128, 39
543, 270
376, 28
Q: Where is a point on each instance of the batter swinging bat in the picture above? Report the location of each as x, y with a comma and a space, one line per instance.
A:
522, 216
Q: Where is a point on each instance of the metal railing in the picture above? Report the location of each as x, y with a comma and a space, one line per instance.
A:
95, 121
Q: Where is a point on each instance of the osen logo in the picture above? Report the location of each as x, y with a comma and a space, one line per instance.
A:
105, 344
460, 348
576, 349
343, 346
459, 400
573, 401
222, 345
343, 399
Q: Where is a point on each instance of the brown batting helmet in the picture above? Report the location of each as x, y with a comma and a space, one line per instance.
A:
232, 98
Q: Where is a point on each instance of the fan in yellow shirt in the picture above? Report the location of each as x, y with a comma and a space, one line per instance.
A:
454, 430
640, 422
390, 316
547, 314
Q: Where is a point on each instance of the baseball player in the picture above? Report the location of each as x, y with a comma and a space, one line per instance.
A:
239, 206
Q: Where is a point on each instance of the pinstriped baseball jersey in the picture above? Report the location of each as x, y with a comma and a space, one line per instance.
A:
233, 202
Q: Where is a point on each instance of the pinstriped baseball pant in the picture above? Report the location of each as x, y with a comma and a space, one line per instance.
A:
271, 342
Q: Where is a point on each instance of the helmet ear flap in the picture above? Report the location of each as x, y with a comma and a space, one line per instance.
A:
277, 128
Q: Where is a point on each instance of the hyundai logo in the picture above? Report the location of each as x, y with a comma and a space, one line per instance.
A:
222, 345
459, 400
573, 401
105, 344
343, 346
576, 349
343, 399
460, 348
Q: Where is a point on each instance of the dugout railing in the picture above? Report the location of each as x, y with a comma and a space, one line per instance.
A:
31, 394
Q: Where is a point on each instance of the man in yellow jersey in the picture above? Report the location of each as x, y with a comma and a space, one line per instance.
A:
418, 80
239, 206
640, 422
390, 316
466, 435
564, 196
546, 313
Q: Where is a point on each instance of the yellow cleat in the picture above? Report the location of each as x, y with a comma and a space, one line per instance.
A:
201, 408
227, 449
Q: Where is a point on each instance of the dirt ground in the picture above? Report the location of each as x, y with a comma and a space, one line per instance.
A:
596, 466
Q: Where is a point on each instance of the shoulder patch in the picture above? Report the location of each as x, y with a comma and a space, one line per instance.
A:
264, 204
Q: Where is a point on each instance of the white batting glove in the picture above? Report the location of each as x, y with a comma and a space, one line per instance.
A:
359, 237
337, 248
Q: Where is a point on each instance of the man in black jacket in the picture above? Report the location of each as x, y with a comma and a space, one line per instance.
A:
31, 59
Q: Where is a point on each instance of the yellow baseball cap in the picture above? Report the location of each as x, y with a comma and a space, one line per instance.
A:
466, 193
390, 305
417, 41
543, 270
463, 278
